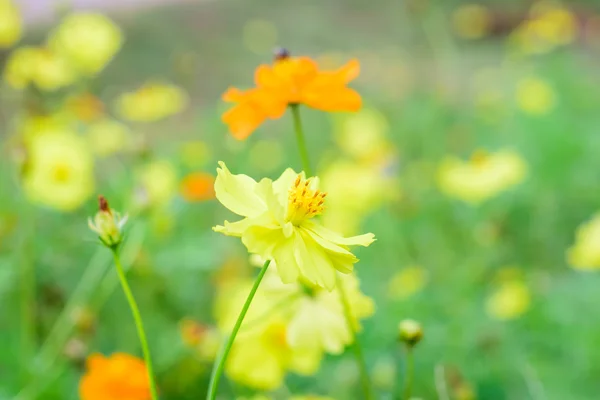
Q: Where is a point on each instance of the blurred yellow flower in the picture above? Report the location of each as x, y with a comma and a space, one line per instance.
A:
191, 331
108, 136
482, 177
158, 180
549, 26
510, 300
260, 36
59, 171
39, 66
355, 189
88, 40
535, 96
260, 358
471, 21
33, 125
11, 27
362, 135
278, 226
407, 282
152, 102
585, 252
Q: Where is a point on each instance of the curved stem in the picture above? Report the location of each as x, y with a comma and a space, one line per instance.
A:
300, 140
356, 347
408, 379
220, 364
138, 323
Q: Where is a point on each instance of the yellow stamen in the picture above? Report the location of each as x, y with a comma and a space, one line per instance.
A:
61, 173
303, 202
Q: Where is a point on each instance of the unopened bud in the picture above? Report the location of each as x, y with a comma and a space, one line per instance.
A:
410, 332
108, 224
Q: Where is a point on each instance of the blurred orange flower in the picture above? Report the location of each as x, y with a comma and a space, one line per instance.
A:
118, 377
198, 186
290, 81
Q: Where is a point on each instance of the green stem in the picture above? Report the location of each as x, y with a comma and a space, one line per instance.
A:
28, 303
220, 365
300, 140
356, 347
408, 378
138, 323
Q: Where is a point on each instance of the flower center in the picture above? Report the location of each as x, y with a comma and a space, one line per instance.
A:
480, 158
61, 173
303, 202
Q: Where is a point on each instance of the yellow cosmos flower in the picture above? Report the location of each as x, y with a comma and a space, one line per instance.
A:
585, 253
315, 316
279, 226
535, 96
59, 172
159, 183
261, 357
11, 27
108, 136
152, 102
39, 66
482, 177
88, 40
362, 135
263, 338
510, 300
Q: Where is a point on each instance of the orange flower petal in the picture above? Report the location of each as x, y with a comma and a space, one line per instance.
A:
333, 99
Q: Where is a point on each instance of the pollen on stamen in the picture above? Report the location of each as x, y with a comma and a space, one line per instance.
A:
304, 202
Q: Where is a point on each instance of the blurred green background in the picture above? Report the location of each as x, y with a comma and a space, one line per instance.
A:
446, 78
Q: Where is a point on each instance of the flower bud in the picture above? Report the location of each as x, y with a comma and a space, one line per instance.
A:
410, 332
108, 224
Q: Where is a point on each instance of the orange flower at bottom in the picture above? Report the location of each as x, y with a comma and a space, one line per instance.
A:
198, 186
118, 377
290, 81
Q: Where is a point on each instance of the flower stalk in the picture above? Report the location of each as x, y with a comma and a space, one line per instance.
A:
220, 364
358, 353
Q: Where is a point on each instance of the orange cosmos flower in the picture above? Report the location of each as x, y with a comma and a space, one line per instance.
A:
198, 186
118, 377
290, 81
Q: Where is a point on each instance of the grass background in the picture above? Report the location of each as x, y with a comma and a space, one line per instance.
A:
421, 77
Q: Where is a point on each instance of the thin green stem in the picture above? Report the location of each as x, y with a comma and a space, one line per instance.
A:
27, 301
220, 364
138, 323
300, 140
356, 347
408, 377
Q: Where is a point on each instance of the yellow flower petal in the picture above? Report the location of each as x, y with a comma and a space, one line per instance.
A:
237, 193
361, 240
313, 262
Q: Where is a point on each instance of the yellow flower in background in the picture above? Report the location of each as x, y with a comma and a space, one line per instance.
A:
260, 36
550, 25
261, 358
88, 40
471, 21
510, 300
362, 135
407, 282
355, 190
11, 27
585, 252
108, 136
152, 102
159, 182
278, 225
482, 177
33, 125
38, 66
59, 171
535, 96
